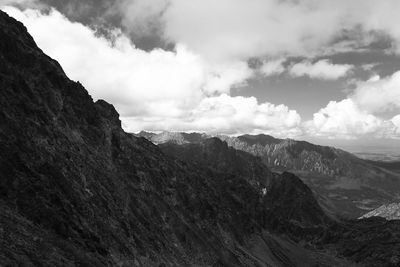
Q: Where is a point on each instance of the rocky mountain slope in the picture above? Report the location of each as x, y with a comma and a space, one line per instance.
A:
344, 184
76, 190
389, 212
291, 207
285, 197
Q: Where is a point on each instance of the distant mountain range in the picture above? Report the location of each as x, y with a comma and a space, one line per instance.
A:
344, 184
389, 212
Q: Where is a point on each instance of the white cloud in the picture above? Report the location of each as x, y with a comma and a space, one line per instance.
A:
241, 29
160, 89
322, 69
272, 67
376, 95
360, 113
18, 2
344, 119
141, 16
229, 115
396, 121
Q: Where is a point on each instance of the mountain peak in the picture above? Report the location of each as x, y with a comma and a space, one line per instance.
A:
388, 211
108, 111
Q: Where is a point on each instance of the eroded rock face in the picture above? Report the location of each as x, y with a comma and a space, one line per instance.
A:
389, 212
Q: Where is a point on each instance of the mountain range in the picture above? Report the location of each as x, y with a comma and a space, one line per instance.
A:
76, 190
344, 184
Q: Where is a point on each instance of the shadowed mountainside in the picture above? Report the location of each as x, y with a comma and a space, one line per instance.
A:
292, 210
344, 184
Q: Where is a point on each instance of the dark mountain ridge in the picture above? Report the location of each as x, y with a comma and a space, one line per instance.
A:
76, 190
345, 184
291, 208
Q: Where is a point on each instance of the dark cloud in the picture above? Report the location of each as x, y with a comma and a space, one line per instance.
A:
105, 14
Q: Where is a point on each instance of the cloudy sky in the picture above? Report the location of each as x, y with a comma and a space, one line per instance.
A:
327, 71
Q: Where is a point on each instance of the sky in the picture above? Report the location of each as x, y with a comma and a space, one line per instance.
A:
327, 71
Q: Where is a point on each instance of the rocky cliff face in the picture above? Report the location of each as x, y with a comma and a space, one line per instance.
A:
389, 212
347, 185
76, 190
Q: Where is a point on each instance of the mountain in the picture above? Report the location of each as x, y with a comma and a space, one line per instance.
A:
393, 166
214, 154
173, 137
291, 209
344, 184
76, 190
285, 197
389, 212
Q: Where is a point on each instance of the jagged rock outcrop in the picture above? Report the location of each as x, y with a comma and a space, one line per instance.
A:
389, 212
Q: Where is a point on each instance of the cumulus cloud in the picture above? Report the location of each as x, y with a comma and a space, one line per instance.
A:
229, 115
241, 29
376, 95
396, 121
344, 119
358, 114
176, 90
140, 17
322, 69
272, 67
17, 2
